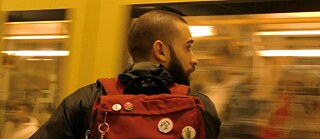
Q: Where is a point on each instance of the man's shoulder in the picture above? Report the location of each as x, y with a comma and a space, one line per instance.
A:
199, 95
208, 104
211, 116
86, 94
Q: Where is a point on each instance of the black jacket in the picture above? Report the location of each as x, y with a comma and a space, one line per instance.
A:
72, 118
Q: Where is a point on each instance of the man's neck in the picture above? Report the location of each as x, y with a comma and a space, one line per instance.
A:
145, 65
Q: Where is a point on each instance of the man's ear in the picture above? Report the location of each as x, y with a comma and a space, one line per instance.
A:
160, 51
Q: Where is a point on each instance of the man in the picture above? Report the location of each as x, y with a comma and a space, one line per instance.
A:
160, 45
20, 124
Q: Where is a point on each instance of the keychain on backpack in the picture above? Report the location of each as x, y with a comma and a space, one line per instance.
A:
103, 132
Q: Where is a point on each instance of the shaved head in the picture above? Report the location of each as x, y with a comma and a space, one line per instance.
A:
152, 26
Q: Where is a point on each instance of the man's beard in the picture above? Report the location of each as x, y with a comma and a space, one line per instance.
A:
176, 70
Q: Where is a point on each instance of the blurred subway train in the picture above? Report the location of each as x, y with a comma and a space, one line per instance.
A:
259, 61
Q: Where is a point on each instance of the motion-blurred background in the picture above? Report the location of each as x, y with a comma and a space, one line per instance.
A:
259, 60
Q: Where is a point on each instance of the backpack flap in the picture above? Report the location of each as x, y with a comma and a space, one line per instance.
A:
169, 116
143, 117
148, 105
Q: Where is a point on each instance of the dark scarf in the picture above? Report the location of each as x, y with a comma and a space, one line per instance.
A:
146, 78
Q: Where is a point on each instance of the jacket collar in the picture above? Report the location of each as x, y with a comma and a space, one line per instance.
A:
146, 78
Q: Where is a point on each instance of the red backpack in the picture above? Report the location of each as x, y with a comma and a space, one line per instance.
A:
162, 116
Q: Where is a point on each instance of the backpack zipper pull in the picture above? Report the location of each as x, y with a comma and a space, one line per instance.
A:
104, 124
105, 117
87, 134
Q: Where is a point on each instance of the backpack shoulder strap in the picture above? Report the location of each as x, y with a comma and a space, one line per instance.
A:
112, 86
179, 89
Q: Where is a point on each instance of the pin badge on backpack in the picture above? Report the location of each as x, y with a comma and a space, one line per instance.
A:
128, 106
188, 132
116, 107
165, 125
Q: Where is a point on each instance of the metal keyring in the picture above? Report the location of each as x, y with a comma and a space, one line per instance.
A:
99, 128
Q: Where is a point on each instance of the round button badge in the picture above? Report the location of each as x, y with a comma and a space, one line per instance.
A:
165, 125
188, 132
116, 107
128, 106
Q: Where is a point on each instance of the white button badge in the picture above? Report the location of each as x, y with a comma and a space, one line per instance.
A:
165, 125
116, 107
188, 132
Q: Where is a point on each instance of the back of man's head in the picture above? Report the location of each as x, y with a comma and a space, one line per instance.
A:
151, 26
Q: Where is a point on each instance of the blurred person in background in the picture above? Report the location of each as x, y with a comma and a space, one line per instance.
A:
20, 124
160, 45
